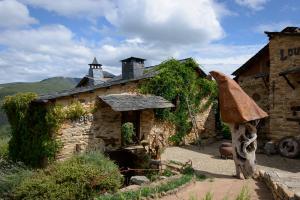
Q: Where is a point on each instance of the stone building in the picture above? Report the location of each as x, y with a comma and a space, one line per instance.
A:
272, 78
114, 102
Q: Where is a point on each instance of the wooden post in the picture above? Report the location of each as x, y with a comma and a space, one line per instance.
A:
244, 146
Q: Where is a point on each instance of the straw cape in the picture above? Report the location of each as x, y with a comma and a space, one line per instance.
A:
235, 105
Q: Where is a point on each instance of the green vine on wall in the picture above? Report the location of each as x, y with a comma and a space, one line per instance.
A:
178, 82
34, 127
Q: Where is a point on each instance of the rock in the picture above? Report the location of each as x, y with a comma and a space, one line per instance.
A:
162, 177
270, 148
139, 180
130, 187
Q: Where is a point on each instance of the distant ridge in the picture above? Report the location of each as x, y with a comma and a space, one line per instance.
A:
54, 84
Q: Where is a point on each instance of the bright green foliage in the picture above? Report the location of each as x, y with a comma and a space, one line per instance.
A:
148, 190
75, 110
179, 83
32, 129
127, 131
79, 177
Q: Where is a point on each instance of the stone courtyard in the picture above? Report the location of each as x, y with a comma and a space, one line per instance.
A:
207, 161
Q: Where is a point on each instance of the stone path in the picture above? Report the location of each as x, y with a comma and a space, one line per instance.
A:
207, 161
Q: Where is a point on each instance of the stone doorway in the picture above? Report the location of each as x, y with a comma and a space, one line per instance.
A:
134, 117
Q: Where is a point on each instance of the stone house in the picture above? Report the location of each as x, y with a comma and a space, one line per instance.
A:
115, 101
272, 78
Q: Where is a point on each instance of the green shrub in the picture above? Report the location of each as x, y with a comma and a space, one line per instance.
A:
4, 139
178, 83
11, 175
4, 147
33, 128
167, 173
75, 110
225, 131
79, 177
127, 131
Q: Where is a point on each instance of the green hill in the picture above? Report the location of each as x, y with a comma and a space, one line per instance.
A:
49, 85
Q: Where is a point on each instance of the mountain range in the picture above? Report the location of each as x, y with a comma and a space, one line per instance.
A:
48, 85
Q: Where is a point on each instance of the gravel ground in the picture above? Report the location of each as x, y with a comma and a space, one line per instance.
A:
208, 161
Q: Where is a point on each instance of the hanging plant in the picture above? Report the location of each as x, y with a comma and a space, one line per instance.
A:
179, 83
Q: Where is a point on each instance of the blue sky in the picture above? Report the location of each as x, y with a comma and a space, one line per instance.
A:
46, 38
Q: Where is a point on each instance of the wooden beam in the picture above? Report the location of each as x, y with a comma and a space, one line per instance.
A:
288, 82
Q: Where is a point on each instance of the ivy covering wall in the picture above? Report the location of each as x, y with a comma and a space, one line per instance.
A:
34, 127
179, 83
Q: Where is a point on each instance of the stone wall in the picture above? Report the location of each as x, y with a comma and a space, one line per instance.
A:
98, 131
258, 90
283, 185
282, 97
102, 129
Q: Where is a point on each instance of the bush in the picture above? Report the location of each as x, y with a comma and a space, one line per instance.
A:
225, 131
79, 177
4, 139
75, 111
127, 131
11, 175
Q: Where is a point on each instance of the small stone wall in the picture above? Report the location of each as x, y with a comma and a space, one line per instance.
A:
282, 185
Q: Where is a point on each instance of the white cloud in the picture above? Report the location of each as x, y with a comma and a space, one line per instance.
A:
74, 8
47, 51
153, 29
252, 4
275, 26
168, 21
14, 14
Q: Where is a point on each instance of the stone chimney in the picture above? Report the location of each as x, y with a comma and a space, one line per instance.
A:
95, 73
132, 67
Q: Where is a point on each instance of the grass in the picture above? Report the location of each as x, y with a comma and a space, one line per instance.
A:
243, 195
176, 162
149, 190
208, 196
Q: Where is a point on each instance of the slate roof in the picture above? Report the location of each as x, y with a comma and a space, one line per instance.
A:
286, 31
128, 102
86, 78
252, 60
148, 73
95, 61
114, 81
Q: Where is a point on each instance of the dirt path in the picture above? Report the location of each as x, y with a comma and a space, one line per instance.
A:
222, 188
207, 161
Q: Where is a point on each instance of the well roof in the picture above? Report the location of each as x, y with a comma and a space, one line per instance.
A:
130, 102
